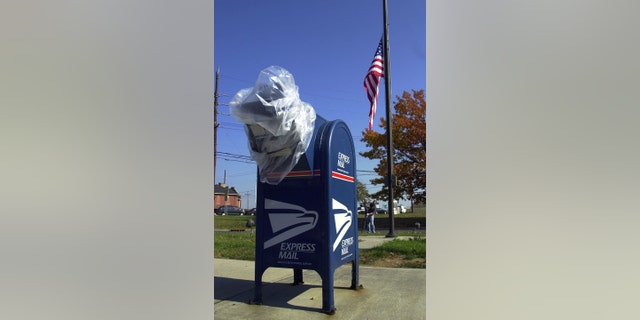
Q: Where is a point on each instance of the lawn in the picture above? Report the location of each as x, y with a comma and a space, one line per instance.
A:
403, 220
231, 222
396, 253
383, 232
234, 245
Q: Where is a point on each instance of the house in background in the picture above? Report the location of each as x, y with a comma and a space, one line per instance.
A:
225, 195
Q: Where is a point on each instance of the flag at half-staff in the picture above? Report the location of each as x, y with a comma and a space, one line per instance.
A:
372, 81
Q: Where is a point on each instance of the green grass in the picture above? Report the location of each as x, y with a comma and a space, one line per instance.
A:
407, 253
383, 232
241, 246
238, 222
417, 212
409, 249
231, 222
234, 245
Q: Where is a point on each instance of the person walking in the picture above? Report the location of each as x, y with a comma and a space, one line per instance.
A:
371, 227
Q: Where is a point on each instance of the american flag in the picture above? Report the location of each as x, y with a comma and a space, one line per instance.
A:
372, 80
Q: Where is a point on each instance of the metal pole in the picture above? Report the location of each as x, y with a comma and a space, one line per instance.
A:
387, 86
215, 124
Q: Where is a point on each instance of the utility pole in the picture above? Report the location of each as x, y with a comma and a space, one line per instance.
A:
215, 124
248, 202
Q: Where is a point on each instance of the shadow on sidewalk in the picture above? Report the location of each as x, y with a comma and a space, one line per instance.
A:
274, 294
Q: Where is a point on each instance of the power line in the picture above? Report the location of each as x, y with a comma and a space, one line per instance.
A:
233, 124
241, 161
231, 128
234, 155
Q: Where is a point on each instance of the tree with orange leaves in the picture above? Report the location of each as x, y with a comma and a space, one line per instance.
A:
409, 143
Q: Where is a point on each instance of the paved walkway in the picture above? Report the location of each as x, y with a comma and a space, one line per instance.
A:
388, 293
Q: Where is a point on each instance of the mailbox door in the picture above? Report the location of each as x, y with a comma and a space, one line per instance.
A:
292, 225
340, 168
291, 221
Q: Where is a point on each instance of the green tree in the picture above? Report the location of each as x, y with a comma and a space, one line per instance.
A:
362, 194
409, 143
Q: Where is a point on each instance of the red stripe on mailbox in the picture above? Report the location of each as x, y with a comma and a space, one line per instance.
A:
341, 176
303, 173
293, 174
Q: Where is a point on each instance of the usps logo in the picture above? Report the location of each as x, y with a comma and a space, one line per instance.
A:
343, 218
288, 220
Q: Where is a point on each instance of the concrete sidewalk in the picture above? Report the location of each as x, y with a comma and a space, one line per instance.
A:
388, 293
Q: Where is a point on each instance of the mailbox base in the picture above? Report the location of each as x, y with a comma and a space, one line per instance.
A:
328, 306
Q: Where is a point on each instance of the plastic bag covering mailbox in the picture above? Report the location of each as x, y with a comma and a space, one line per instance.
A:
279, 125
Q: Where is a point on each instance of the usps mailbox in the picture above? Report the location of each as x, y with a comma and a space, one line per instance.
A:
309, 220
306, 215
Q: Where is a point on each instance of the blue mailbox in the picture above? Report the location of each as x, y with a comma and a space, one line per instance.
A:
309, 219
306, 216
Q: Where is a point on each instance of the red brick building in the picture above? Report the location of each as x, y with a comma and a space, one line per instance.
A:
225, 195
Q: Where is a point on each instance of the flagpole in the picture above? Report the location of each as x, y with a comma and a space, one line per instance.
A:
387, 86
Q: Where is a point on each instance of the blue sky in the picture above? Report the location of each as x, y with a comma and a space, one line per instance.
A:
328, 47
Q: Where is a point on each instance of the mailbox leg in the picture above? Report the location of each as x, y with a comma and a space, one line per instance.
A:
297, 277
355, 281
257, 299
327, 294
